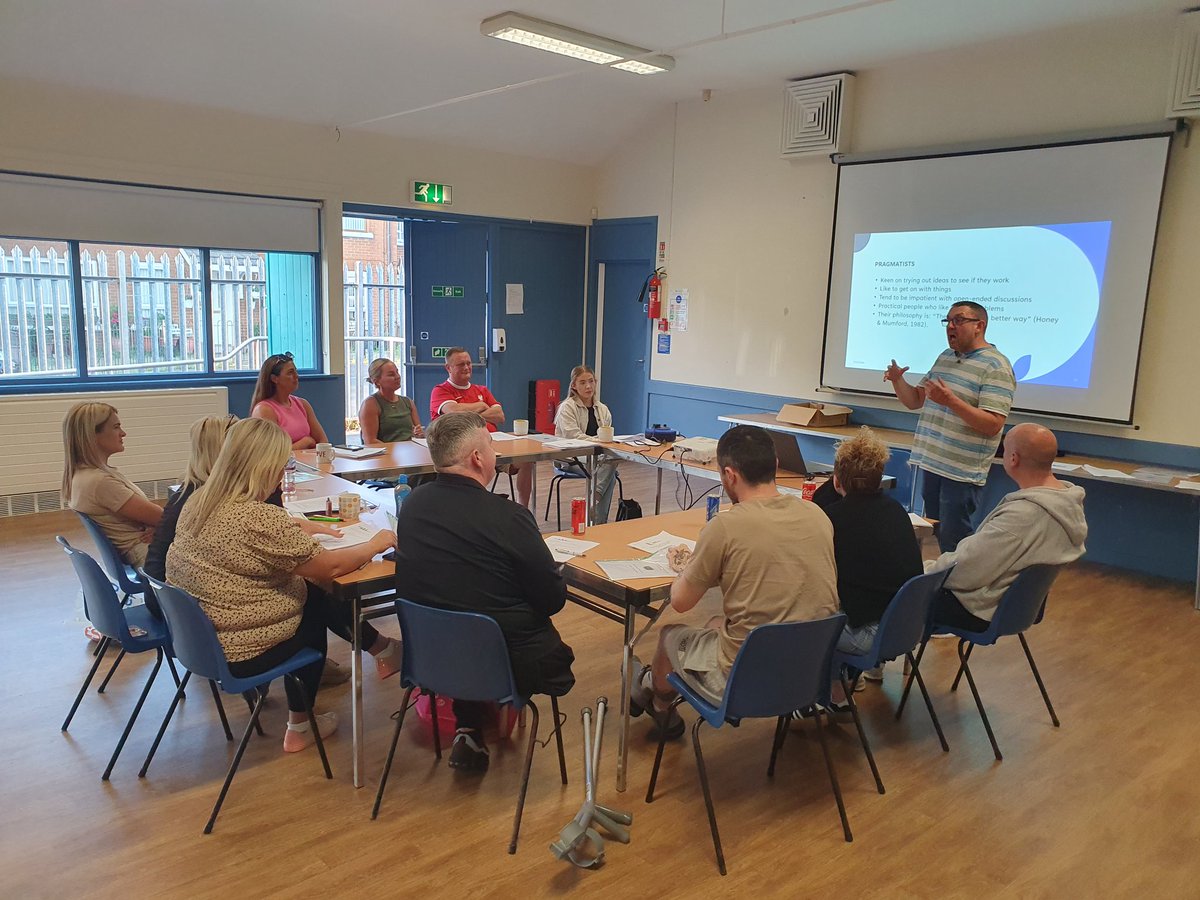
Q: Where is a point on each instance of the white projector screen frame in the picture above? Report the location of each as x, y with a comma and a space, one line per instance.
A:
1056, 240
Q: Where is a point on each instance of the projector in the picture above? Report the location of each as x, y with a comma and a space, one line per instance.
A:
697, 449
660, 433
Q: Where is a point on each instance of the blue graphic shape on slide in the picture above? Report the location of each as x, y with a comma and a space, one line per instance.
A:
1039, 283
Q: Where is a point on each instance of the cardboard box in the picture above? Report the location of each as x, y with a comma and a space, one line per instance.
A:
814, 415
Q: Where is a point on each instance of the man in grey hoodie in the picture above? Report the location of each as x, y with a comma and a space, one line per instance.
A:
1040, 522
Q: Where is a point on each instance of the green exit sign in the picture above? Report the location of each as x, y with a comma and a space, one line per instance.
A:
440, 352
429, 192
449, 290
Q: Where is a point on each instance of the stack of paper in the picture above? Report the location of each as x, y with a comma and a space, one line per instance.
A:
661, 541
352, 536
1107, 473
567, 444
564, 549
505, 436
628, 569
358, 452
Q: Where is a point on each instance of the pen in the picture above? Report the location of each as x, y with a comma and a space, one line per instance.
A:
324, 519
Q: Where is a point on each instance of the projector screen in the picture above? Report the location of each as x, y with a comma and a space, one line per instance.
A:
1054, 241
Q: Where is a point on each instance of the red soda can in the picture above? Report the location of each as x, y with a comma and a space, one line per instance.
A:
810, 488
578, 516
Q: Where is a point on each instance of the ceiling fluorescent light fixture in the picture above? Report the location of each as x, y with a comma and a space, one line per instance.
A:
530, 32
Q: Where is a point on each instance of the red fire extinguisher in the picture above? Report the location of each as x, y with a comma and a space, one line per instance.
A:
654, 307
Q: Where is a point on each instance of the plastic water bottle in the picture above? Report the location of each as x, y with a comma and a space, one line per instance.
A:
289, 476
403, 489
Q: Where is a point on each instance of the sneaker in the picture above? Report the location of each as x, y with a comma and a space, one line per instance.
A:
641, 697
668, 722
297, 737
469, 751
387, 663
875, 674
333, 673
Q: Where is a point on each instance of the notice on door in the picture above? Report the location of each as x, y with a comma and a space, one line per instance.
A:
514, 299
664, 343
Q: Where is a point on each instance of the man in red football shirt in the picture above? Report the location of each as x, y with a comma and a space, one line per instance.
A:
457, 394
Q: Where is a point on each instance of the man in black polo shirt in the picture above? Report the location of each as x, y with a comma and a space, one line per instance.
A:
461, 547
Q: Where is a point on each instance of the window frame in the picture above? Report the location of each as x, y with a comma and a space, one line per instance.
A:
84, 380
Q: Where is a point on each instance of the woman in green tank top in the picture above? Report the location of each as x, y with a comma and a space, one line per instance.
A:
386, 416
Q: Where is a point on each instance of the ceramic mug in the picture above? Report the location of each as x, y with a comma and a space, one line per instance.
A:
520, 426
605, 434
325, 453
349, 506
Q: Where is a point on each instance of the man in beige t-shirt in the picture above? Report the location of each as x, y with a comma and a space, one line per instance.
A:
772, 558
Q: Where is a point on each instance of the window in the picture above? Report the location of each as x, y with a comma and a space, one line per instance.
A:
150, 311
356, 227
37, 310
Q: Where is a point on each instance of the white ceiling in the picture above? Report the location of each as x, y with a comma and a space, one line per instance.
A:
350, 62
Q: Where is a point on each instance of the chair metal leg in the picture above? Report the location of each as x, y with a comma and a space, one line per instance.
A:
558, 724
549, 492
708, 804
777, 744
312, 720
133, 715
662, 742
1038, 677
216, 693
108, 677
87, 681
837, 791
914, 667
959, 675
162, 729
862, 735
437, 731
966, 668
100, 646
252, 698
174, 674
909, 682
237, 759
387, 767
533, 728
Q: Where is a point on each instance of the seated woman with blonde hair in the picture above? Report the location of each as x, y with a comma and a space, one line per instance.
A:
255, 572
580, 415
274, 401
92, 434
386, 415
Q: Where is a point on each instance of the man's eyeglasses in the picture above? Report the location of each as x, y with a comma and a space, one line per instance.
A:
278, 360
959, 320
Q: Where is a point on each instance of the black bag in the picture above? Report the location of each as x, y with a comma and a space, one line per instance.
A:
627, 509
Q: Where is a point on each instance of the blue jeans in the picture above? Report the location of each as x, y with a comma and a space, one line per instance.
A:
952, 504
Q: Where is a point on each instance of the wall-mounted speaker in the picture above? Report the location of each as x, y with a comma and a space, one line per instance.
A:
1184, 99
816, 116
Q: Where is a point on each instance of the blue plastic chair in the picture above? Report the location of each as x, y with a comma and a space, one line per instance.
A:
123, 576
1021, 607
572, 469
461, 655
902, 628
779, 668
196, 646
114, 621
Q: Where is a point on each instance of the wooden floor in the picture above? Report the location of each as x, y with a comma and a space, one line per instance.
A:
1104, 806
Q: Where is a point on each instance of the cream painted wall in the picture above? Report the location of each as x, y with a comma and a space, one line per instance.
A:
55, 131
750, 233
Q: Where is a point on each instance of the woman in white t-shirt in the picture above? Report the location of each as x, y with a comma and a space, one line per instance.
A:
580, 416
92, 434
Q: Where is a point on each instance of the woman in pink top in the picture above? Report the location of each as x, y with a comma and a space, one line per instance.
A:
274, 401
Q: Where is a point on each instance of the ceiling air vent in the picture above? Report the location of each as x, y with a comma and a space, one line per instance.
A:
816, 116
1185, 69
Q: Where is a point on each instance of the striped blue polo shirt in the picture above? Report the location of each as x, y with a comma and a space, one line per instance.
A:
944, 444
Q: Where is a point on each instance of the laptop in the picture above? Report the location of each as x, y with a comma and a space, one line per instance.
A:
787, 448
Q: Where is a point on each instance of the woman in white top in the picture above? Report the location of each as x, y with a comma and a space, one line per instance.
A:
580, 415
92, 434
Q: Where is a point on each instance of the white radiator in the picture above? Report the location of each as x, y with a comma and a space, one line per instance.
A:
156, 449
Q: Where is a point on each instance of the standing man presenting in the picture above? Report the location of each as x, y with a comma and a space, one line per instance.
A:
964, 401
457, 394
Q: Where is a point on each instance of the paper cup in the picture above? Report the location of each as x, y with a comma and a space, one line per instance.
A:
349, 506
520, 426
605, 433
